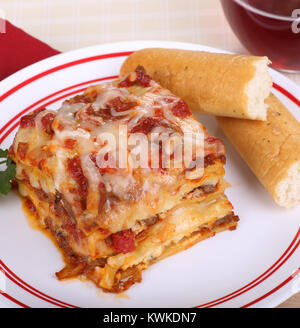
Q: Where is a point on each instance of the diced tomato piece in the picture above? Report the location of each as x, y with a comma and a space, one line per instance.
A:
79, 99
141, 79
158, 112
123, 241
146, 125
75, 170
120, 105
47, 122
28, 121
181, 109
70, 143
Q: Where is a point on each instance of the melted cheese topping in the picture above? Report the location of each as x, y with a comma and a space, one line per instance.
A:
83, 127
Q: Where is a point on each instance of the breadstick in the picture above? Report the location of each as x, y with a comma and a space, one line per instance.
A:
271, 149
211, 83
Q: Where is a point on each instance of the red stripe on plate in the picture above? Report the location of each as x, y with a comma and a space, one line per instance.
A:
286, 93
255, 282
21, 283
9, 131
259, 282
274, 289
30, 289
63, 66
14, 300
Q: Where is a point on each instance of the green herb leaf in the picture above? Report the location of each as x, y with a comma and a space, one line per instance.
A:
8, 174
3, 153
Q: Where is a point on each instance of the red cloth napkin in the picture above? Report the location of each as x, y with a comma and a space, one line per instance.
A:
18, 49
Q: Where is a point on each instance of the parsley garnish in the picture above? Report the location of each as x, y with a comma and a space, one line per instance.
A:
7, 175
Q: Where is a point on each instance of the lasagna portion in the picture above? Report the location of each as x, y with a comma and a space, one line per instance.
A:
87, 172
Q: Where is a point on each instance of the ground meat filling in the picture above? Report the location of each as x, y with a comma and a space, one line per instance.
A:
200, 191
208, 189
210, 160
151, 220
226, 220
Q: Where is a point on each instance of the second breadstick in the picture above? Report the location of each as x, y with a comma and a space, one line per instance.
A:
271, 149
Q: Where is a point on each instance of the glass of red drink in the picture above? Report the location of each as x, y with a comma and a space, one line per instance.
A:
268, 28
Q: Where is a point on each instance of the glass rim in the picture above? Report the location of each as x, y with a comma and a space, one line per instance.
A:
265, 13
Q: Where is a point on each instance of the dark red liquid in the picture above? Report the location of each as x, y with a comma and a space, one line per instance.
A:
265, 36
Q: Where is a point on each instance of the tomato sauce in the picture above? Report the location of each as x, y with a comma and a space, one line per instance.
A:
75, 170
22, 149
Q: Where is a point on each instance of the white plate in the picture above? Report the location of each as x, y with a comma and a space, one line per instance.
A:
256, 265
